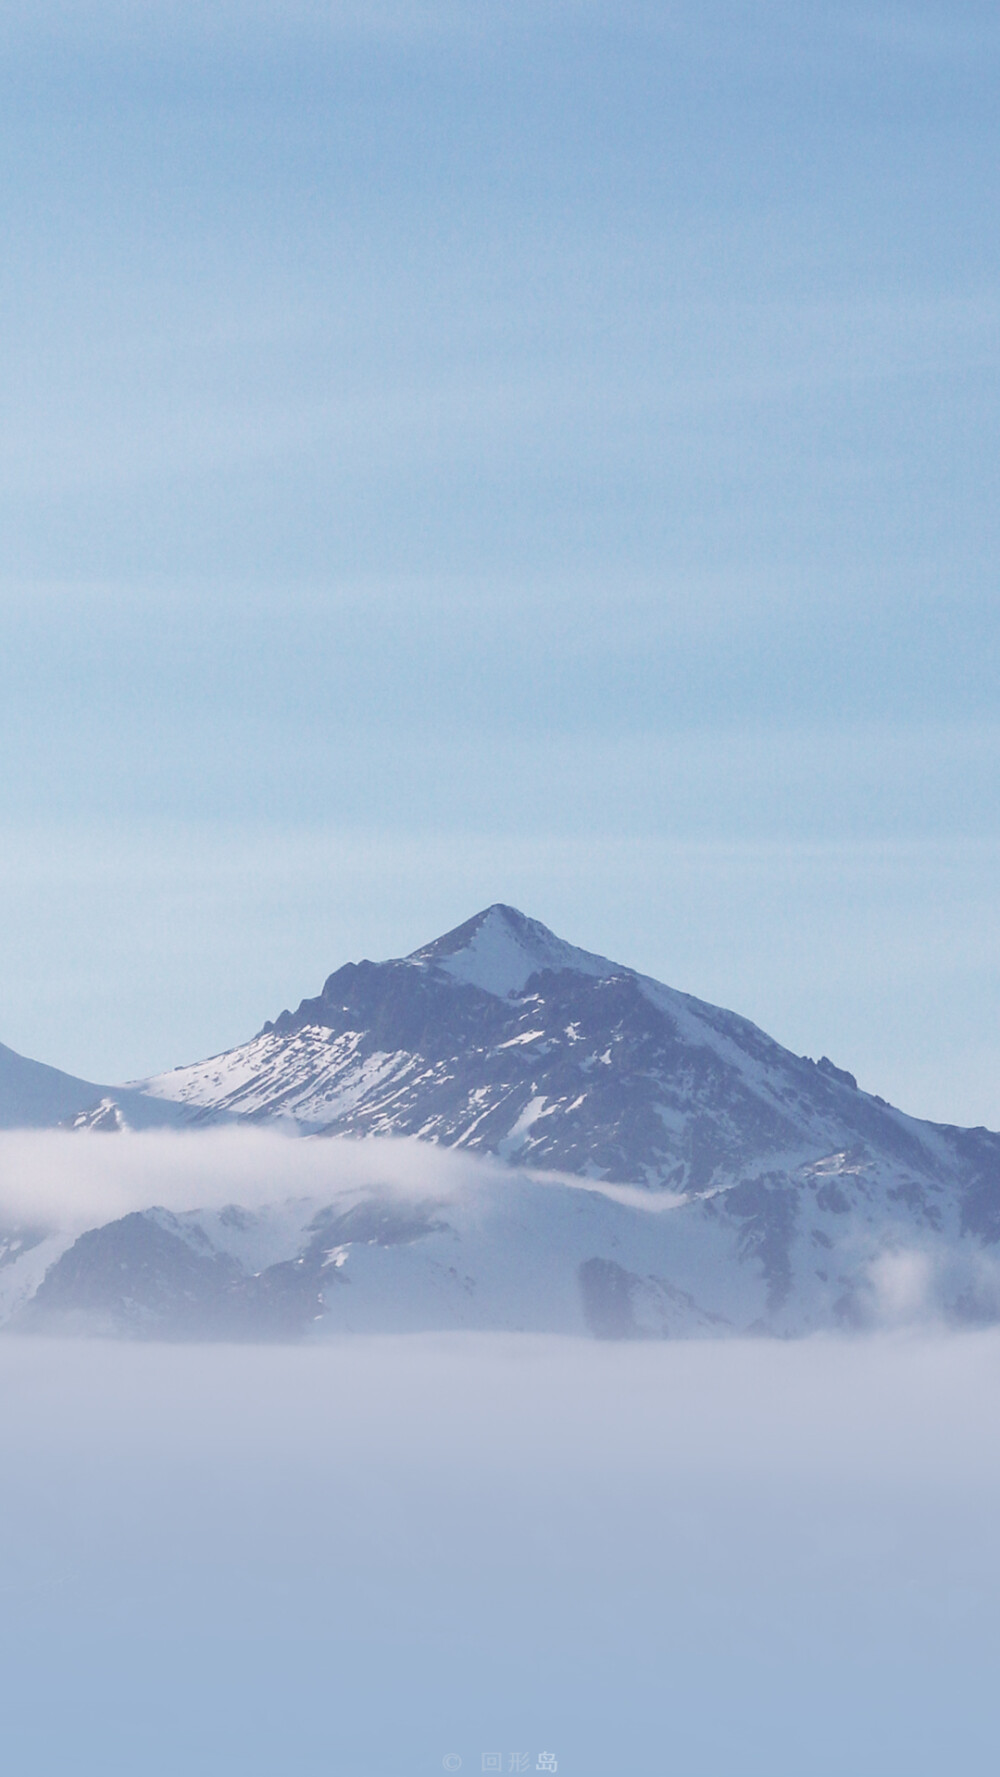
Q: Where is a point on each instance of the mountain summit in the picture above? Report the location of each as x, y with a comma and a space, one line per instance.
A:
500, 949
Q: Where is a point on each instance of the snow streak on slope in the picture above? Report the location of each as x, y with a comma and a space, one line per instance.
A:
307, 1083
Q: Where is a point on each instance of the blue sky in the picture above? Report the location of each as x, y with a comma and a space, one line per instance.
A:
466, 452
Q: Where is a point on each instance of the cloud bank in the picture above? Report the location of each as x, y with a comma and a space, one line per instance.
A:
56, 1179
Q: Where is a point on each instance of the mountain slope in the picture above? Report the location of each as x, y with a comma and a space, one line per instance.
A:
34, 1096
502, 1039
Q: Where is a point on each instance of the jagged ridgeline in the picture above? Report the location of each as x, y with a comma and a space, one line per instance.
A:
766, 1190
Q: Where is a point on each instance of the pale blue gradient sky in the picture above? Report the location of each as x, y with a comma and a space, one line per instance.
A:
467, 452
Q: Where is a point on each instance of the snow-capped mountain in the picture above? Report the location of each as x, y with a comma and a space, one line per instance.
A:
763, 1189
502, 1039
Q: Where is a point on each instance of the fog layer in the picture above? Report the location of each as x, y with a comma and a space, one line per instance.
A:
744, 1557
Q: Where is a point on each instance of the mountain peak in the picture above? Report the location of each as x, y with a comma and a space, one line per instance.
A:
500, 948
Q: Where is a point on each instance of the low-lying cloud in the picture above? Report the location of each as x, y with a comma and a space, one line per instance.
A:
72, 1181
59, 1179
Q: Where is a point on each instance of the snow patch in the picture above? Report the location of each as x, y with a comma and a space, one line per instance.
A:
534, 1108
504, 949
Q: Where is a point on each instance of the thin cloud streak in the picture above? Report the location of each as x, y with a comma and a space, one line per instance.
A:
63, 1180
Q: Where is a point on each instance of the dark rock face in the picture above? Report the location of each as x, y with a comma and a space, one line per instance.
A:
826, 1067
606, 1289
141, 1278
155, 1275
136, 1275
979, 1150
766, 1210
621, 1304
